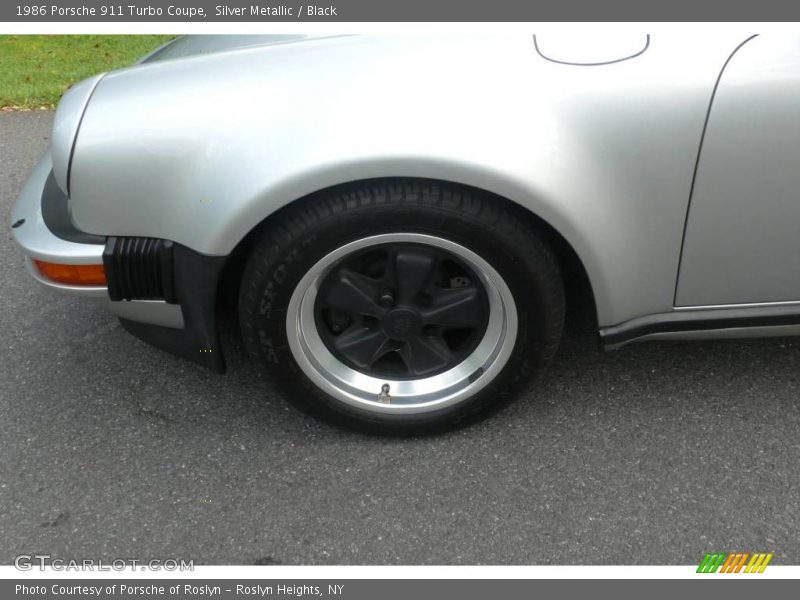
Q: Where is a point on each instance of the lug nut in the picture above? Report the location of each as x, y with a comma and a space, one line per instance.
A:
387, 298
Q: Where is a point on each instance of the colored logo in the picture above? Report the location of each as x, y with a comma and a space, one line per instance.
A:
734, 562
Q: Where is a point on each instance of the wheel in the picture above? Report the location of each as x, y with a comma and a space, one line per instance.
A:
401, 306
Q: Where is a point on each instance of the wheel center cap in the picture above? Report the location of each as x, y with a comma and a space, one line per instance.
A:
402, 323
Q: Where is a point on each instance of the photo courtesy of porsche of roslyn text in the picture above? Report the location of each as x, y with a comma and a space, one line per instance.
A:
443, 298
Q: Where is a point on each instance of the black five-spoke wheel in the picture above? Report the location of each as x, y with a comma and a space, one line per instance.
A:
402, 311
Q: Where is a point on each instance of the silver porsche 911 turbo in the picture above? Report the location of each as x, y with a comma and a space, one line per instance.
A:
396, 217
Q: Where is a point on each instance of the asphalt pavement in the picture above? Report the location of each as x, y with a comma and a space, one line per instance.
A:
110, 448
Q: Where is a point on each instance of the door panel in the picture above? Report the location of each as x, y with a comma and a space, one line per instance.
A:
742, 241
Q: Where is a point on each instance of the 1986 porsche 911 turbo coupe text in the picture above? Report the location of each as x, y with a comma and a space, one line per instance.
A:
393, 215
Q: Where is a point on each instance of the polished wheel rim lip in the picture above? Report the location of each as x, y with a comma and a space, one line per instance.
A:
410, 395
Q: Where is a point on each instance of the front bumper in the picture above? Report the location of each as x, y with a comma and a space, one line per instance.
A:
184, 327
36, 240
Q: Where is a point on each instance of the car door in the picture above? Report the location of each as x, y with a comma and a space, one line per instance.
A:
742, 238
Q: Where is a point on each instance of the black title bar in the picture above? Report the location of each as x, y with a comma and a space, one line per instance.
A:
126, 11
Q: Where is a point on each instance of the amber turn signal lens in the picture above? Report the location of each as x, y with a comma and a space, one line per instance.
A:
72, 274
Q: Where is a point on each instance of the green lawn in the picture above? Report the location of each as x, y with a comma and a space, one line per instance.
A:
36, 69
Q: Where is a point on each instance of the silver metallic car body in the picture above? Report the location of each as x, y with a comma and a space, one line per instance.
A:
601, 139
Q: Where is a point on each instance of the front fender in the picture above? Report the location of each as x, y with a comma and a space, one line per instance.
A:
201, 150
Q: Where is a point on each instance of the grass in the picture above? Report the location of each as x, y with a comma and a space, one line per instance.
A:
35, 70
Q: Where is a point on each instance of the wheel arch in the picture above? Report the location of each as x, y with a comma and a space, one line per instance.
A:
579, 287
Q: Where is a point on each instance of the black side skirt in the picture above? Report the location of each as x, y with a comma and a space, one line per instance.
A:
700, 320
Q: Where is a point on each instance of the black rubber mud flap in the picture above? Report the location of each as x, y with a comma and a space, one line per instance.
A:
195, 278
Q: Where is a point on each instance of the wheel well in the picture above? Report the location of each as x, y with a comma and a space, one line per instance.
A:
577, 287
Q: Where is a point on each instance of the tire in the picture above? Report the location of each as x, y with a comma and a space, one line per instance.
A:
321, 266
